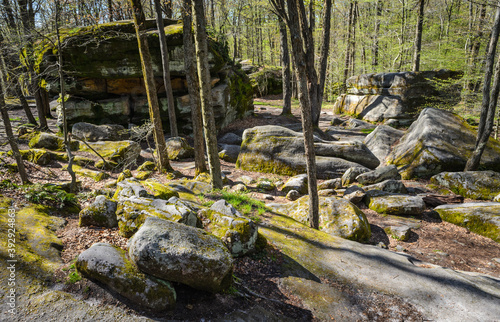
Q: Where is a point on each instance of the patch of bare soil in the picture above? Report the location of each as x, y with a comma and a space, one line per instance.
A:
256, 276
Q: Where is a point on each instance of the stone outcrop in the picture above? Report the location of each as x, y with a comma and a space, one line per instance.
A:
104, 76
337, 216
481, 218
381, 140
111, 266
394, 204
92, 133
279, 150
439, 141
378, 97
483, 185
101, 213
179, 253
266, 81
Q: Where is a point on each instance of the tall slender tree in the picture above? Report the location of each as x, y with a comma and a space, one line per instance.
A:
166, 69
490, 96
149, 82
193, 88
200, 36
285, 70
417, 47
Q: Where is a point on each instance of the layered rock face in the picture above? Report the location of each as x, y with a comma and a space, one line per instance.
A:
104, 76
378, 97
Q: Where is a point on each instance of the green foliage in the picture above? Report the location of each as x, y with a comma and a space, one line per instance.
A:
49, 194
6, 184
245, 204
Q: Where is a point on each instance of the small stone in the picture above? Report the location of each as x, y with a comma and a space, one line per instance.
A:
441, 253
293, 195
496, 260
399, 232
268, 197
240, 187
124, 175
246, 180
265, 184
146, 166
355, 197
400, 248
327, 192
330, 184
382, 245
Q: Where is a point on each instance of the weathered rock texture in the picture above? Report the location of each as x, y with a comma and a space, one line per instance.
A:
376, 97
439, 141
104, 75
279, 150
483, 185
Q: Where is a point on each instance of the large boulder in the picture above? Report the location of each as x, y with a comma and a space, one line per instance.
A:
438, 141
298, 183
93, 133
44, 140
178, 148
378, 175
182, 254
279, 150
381, 140
337, 216
104, 76
267, 81
239, 233
383, 96
110, 266
101, 213
483, 185
132, 212
482, 218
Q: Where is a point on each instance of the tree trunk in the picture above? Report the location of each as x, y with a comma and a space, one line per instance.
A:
166, 70
347, 66
323, 62
10, 136
418, 37
24, 103
375, 46
490, 97
9, 14
200, 36
168, 9
149, 82
285, 59
194, 89
110, 10
67, 139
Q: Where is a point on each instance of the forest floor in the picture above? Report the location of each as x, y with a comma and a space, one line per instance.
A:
432, 240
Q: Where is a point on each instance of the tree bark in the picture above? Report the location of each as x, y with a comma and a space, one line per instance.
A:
166, 70
285, 71
200, 36
110, 10
24, 103
67, 139
154, 110
375, 46
194, 89
490, 97
418, 37
10, 136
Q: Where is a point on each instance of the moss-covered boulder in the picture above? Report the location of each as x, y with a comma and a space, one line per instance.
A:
267, 81
482, 185
147, 166
298, 183
337, 216
133, 211
37, 247
183, 254
178, 148
122, 152
394, 204
101, 213
50, 141
37, 156
381, 140
380, 174
93, 174
158, 190
111, 266
481, 218
275, 149
239, 233
229, 153
439, 141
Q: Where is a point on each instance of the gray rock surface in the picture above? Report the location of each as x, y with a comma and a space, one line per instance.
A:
395, 204
101, 213
276, 149
230, 139
381, 140
351, 174
330, 184
298, 183
391, 185
378, 175
93, 133
179, 253
110, 266
482, 218
178, 148
230, 153
439, 141
337, 216
483, 185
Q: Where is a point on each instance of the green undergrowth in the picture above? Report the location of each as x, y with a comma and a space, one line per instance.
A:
50, 195
245, 204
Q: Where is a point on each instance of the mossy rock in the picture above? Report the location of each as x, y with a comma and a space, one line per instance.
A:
179, 149
111, 266
124, 175
159, 190
122, 152
394, 204
37, 245
236, 231
147, 166
337, 216
108, 165
96, 175
267, 81
143, 175
482, 185
83, 161
50, 141
101, 213
480, 218
37, 156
